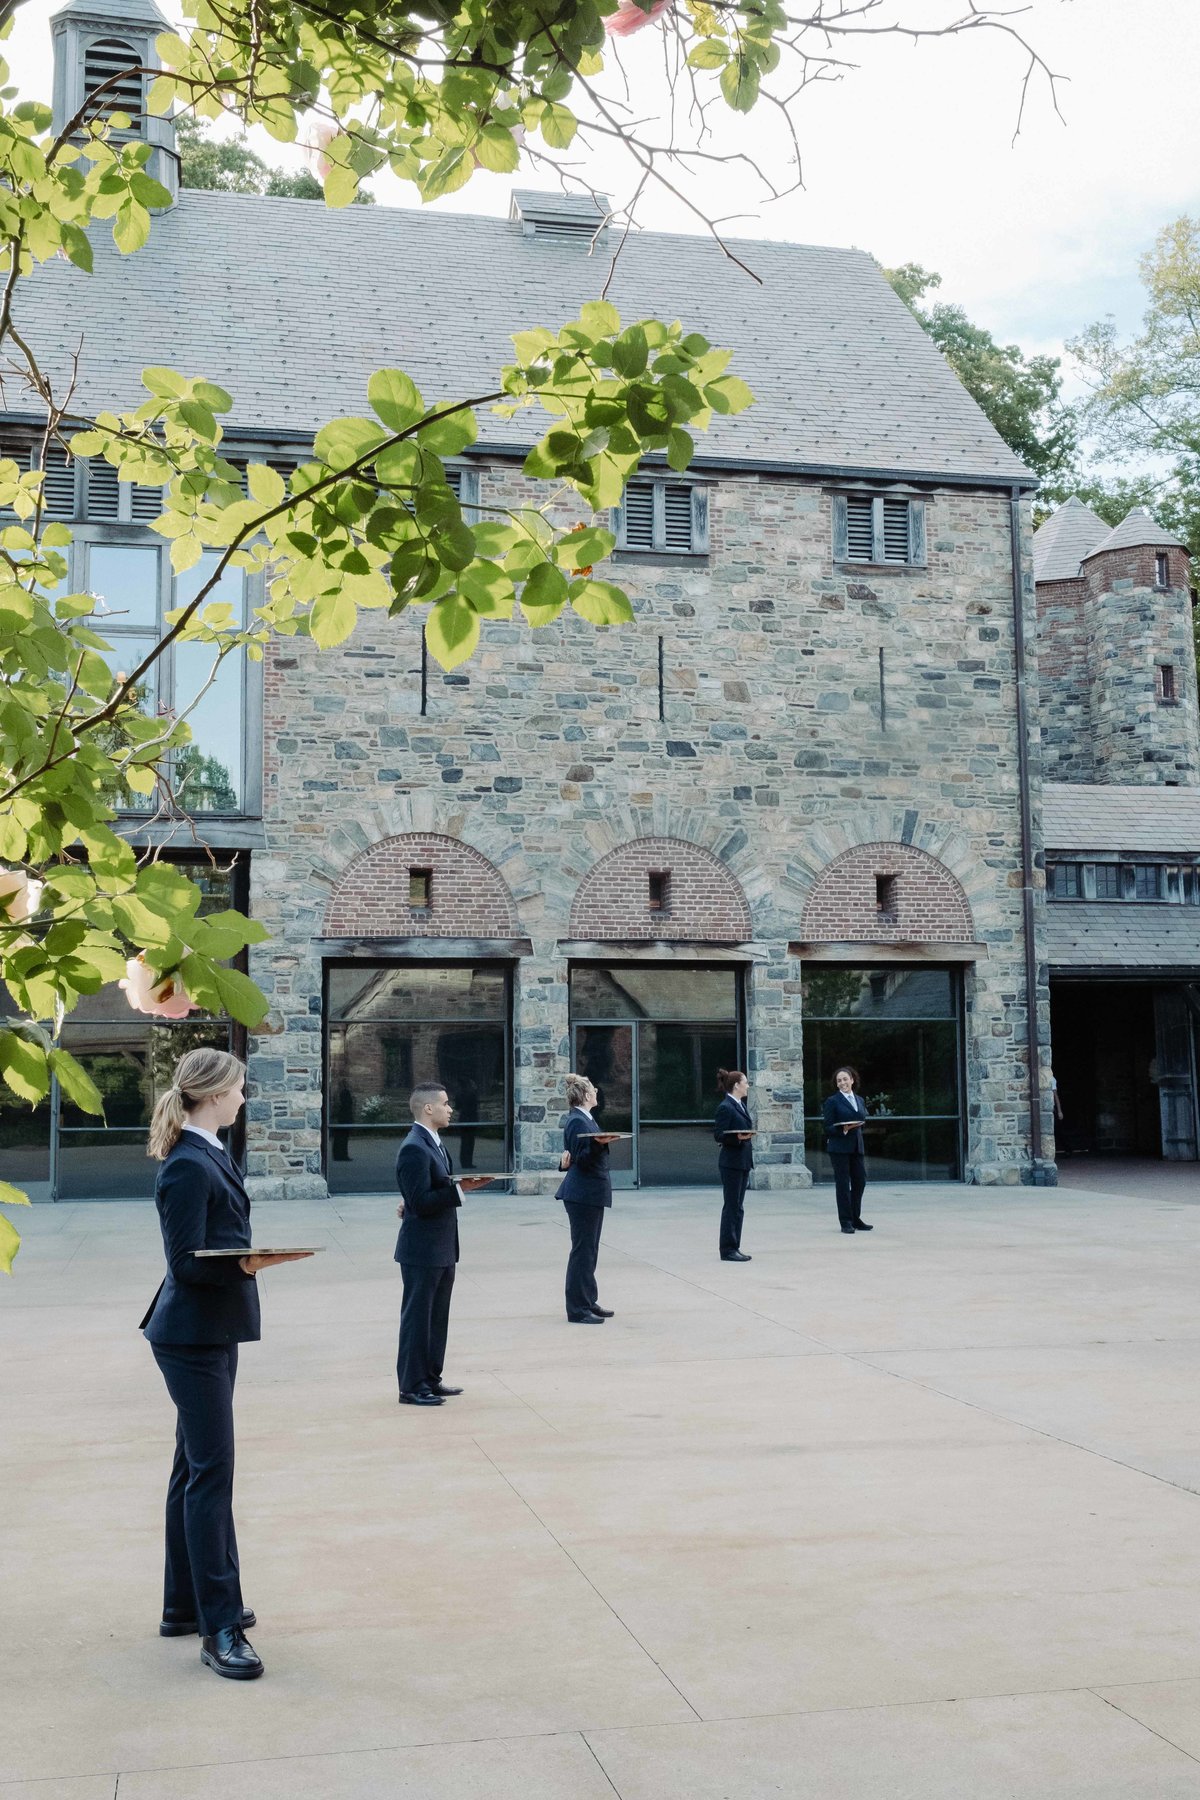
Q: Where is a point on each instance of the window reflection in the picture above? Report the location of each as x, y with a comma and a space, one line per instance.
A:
125, 577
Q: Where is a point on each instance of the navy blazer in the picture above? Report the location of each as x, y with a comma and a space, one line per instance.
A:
587, 1181
733, 1116
202, 1205
429, 1230
835, 1109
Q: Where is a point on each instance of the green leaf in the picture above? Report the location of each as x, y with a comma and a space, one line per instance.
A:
131, 227
76, 1083
23, 1066
544, 594
709, 53
12, 1196
10, 1237
580, 549
489, 590
214, 397
395, 398
739, 83
680, 447
77, 246
631, 352
345, 441
600, 603
447, 174
332, 619
341, 185
600, 318
163, 382
728, 395
239, 996
558, 127
497, 150
266, 485
452, 631
150, 192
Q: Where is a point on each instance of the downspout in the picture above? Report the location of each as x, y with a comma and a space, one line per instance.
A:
1027, 851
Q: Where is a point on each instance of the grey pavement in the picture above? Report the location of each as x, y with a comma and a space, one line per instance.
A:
908, 1516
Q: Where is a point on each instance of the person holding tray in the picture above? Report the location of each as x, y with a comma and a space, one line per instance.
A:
733, 1129
205, 1307
427, 1246
585, 1191
843, 1113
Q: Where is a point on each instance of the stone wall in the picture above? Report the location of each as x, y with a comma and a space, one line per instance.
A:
786, 739
887, 894
1065, 681
1134, 626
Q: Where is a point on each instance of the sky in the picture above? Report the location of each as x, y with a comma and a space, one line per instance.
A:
910, 156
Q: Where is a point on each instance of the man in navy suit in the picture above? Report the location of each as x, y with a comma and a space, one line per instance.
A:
427, 1247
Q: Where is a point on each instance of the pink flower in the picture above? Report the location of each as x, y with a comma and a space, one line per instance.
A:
630, 17
20, 894
148, 992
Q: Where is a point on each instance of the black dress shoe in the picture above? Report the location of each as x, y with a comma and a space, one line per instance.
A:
736, 1256
601, 1312
860, 1226
228, 1653
443, 1392
847, 1231
189, 1627
589, 1318
422, 1397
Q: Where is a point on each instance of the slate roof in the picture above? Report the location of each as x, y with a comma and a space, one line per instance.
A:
1109, 937
1064, 539
1077, 817
1137, 527
291, 306
133, 12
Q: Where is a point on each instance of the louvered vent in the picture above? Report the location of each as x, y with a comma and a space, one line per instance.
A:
103, 491
677, 526
58, 485
145, 504
638, 507
860, 528
22, 455
569, 230
895, 531
454, 481
113, 60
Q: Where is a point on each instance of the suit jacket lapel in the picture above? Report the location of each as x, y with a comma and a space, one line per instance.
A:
227, 1167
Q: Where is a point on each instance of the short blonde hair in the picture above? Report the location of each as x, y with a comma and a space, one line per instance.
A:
577, 1089
199, 1075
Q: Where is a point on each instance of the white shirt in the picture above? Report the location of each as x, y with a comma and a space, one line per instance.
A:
583, 1110
436, 1136
210, 1137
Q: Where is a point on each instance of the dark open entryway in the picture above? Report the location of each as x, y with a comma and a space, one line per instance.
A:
1125, 1060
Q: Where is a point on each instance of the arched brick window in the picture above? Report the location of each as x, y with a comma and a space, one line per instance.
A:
887, 893
660, 888
421, 885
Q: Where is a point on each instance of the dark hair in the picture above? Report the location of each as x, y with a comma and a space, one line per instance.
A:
727, 1080
422, 1095
845, 1069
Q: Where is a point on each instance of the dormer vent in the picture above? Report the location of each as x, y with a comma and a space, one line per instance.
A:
114, 62
577, 218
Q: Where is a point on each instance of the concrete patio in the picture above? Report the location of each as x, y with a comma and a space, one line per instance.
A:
905, 1517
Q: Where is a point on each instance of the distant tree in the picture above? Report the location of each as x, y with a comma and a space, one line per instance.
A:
1020, 395
232, 167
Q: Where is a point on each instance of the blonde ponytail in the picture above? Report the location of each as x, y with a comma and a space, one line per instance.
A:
199, 1075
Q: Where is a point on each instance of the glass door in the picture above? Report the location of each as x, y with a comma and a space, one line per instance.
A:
606, 1055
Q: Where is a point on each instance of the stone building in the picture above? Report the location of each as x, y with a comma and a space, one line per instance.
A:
790, 817
1121, 760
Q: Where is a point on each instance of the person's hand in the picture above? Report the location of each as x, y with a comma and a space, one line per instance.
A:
606, 1137
743, 1135
564, 1161
250, 1265
400, 1210
468, 1183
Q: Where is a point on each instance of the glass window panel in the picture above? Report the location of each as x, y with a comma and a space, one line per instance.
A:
600, 991
417, 991
903, 1068
677, 1070
105, 1165
362, 1160
125, 577
879, 993
1108, 881
1147, 880
208, 773
25, 1144
900, 1150
677, 1156
117, 1057
373, 1069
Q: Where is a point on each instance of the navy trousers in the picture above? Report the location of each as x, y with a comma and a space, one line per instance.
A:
586, 1224
850, 1178
424, 1324
203, 1580
733, 1186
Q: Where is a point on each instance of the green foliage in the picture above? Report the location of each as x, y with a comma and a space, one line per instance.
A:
232, 167
1020, 395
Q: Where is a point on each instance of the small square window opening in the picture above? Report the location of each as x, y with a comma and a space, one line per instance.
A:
1165, 681
420, 889
658, 883
885, 897
1162, 569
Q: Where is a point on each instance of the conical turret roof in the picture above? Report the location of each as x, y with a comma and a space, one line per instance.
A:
1062, 541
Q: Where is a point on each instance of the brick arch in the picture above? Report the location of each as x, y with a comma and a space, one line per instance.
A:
468, 895
704, 901
929, 905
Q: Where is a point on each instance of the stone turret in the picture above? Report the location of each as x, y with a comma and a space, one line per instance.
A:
112, 43
1116, 658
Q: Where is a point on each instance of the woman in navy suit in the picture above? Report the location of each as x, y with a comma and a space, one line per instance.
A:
844, 1112
202, 1311
732, 1129
585, 1191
